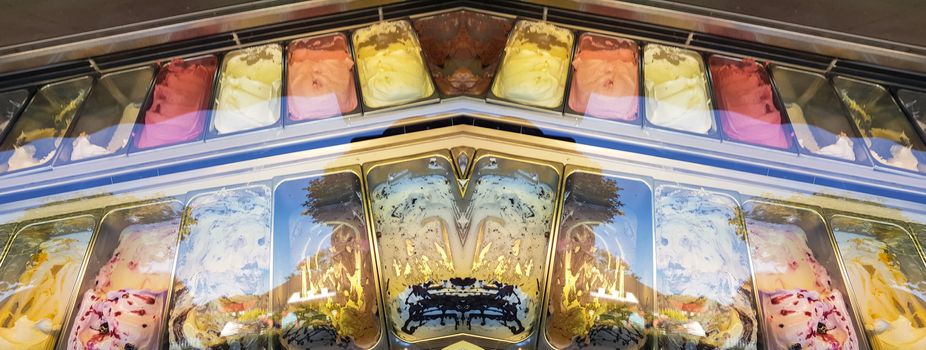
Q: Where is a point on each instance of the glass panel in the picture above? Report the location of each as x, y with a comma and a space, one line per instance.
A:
390, 66
601, 294
470, 262
819, 122
106, 120
6, 233
886, 273
798, 279
535, 65
178, 106
324, 292
606, 78
320, 78
703, 278
222, 279
676, 89
747, 105
11, 102
124, 289
462, 49
34, 139
37, 280
249, 89
891, 139
915, 103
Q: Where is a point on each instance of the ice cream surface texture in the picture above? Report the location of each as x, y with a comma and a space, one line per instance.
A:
450, 254
799, 304
178, 108
83, 147
389, 62
462, 49
704, 288
249, 89
223, 271
535, 65
892, 307
320, 78
676, 89
843, 148
747, 104
124, 307
32, 310
606, 78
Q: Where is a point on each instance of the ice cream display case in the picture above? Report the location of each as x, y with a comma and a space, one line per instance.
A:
462, 175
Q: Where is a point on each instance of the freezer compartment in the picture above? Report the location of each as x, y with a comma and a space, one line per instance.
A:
462, 258
704, 286
34, 139
38, 278
463, 49
106, 120
801, 290
177, 110
891, 139
886, 274
320, 79
915, 104
602, 286
605, 80
391, 67
220, 296
249, 90
535, 66
677, 90
820, 123
324, 286
11, 103
123, 296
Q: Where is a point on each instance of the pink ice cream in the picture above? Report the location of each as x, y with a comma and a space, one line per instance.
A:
178, 108
747, 106
808, 319
321, 78
605, 80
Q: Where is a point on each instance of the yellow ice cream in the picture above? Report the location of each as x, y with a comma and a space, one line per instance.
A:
535, 65
249, 95
32, 313
892, 308
390, 65
676, 90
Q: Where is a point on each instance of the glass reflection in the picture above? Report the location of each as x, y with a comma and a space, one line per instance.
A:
915, 104
11, 102
601, 294
606, 78
462, 262
746, 102
677, 95
220, 296
320, 78
888, 277
390, 66
37, 279
177, 110
324, 294
535, 65
703, 278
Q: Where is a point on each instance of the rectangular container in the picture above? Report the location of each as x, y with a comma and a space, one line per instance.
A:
11, 103
249, 91
39, 275
105, 122
914, 102
123, 296
534, 69
614, 91
602, 286
38, 131
892, 142
325, 288
665, 81
390, 67
322, 83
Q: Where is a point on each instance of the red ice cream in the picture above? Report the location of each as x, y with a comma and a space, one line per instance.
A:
605, 81
747, 107
178, 108
321, 78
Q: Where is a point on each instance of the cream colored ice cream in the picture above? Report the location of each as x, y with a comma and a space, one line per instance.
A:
782, 260
32, 311
892, 308
535, 65
676, 89
389, 62
83, 148
703, 279
26, 152
843, 148
249, 89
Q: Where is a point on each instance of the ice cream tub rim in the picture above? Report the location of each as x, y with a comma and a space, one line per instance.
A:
713, 133
641, 93
211, 132
284, 108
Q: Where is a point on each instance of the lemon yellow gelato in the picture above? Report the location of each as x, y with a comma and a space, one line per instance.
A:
249, 93
676, 89
535, 65
390, 65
